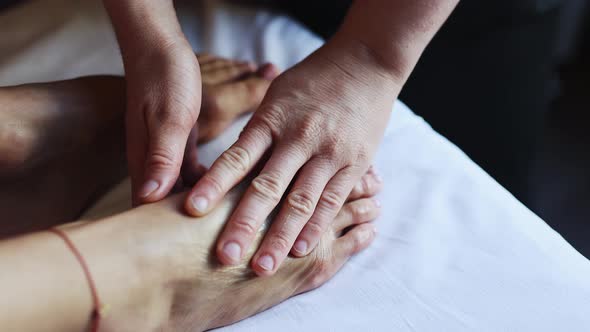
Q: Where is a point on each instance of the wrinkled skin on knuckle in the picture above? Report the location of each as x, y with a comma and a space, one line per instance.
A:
160, 158
246, 225
310, 129
300, 202
238, 158
273, 116
212, 181
280, 242
314, 229
268, 187
331, 200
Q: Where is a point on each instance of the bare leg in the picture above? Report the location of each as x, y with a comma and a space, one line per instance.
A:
61, 143
61, 151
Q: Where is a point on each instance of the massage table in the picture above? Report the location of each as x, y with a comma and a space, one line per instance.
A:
454, 251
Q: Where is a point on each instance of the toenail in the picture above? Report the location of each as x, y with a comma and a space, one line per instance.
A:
301, 246
232, 251
199, 203
266, 262
148, 188
377, 202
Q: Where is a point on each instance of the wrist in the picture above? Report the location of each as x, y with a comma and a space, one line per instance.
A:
144, 28
369, 60
354, 69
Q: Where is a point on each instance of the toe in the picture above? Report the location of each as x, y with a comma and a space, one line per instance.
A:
205, 58
242, 96
369, 185
357, 212
228, 73
354, 241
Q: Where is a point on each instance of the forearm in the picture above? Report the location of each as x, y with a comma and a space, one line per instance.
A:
392, 34
44, 288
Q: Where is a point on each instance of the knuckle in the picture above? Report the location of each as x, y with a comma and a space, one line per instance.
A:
162, 159
362, 155
237, 158
331, 200
272, 116
301, 202
315, 228
280, 242
311, 127
212, 182
245, 225
268, 187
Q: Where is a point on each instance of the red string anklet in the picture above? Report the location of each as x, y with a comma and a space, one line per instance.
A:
96, 315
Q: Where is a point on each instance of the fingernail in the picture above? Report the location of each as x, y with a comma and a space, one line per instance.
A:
200, 203
301, 246
266, 262
377, 202
233, 251
148, 188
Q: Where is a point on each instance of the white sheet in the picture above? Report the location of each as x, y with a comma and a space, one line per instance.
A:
455, 251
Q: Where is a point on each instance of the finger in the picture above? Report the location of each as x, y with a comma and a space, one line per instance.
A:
295, 211
355, 240
369, 185
167, 142
228, 170
191, 170
357, 212
261, 197
228, 73
330, 203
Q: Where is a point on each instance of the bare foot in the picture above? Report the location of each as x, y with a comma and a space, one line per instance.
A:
206, 294
230, 89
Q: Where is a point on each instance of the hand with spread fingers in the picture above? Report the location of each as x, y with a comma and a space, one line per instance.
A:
313, 136
319, 136
315, 133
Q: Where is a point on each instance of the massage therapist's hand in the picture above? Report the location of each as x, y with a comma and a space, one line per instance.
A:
163, 92
164, 99
318, 126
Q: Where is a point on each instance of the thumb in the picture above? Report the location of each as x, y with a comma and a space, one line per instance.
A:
167, 141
